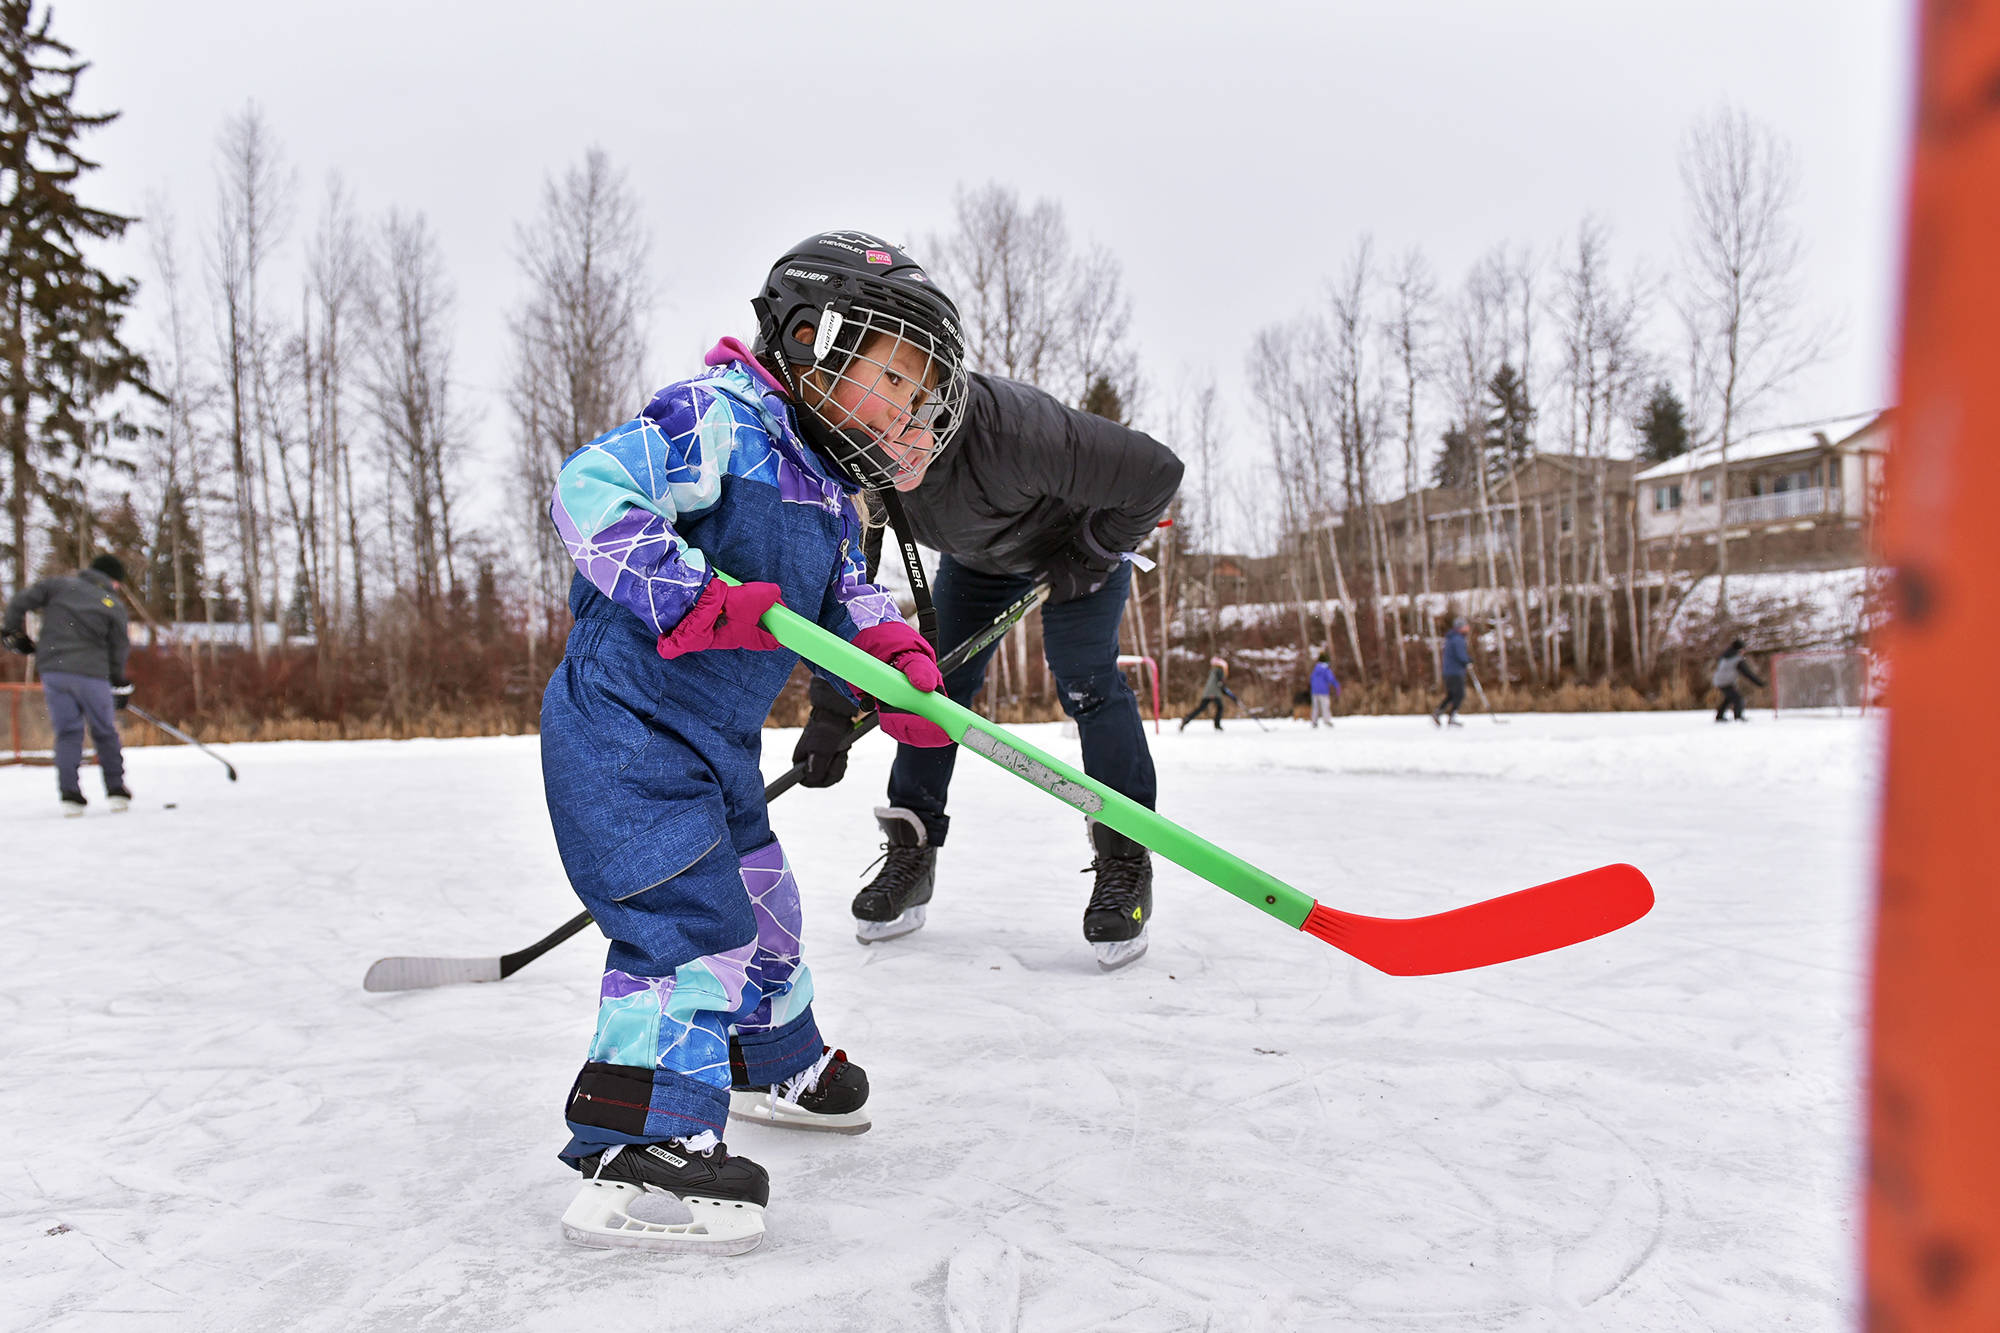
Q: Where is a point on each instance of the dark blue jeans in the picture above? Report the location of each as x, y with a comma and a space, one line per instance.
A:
1080, 640
75, 702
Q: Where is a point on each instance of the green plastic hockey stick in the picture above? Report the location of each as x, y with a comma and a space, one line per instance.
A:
1497, 930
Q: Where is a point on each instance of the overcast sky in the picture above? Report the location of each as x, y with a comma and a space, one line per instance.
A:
1229, 154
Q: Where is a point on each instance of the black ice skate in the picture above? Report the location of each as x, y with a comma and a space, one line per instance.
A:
119, 799
831, 1095
1121, 903
893, 903
724, 1195
73, 805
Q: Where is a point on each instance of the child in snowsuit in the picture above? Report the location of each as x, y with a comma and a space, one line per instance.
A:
1324, 685
651, 725
1212, 692
1457, 660
1727, 668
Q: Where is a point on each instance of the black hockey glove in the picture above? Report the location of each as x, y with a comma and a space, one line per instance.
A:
822, 746
121, 694
1080, 568
17, 641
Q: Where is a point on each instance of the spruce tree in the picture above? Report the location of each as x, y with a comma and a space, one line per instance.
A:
1510, 421
1663, 431
1457, 465
60, 348
1102, 399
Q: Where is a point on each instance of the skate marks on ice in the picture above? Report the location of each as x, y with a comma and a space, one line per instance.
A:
982, 1287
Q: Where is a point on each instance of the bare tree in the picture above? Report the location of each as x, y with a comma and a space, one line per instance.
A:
253, 199
181, 460
1033, 308
1742, 290
337, 283
1478, 350
410, 394
1410, 330
579, 338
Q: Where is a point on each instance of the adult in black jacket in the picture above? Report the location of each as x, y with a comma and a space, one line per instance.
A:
1029, 490
82, 660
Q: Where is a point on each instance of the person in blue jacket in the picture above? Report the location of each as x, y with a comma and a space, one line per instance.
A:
1323, 685
652, 722
1457, 661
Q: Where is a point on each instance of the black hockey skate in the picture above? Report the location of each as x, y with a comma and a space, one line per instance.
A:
724, 1195
73, 804
119, 798
1121, 903
831, 1095
893, 903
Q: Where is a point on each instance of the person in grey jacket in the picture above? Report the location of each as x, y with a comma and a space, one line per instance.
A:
1727, 668
81, 656
1212, 691
1030, 490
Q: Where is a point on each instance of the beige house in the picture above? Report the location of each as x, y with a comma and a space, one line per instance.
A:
1801, 495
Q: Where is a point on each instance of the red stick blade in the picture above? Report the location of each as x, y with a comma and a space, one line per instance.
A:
1499, 930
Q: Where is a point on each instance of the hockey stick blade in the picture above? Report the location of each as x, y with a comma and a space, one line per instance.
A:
418, 973
1516, 925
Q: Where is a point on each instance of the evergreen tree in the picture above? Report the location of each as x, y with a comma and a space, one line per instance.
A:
60, 348
1102, 399
174, 543
298, 615
1663, 431
1456, 465
1510, 421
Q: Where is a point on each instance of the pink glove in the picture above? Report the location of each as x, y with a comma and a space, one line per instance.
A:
903, 648
724, 616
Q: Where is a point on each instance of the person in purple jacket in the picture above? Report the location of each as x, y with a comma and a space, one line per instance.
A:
652, 722
1324, 685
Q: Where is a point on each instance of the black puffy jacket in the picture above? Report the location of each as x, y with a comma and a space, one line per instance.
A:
1024, 473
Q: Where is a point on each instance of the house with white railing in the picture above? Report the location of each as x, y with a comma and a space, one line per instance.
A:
1798, 496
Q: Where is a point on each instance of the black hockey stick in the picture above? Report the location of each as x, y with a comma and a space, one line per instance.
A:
406, 973
180, 735
1244, 709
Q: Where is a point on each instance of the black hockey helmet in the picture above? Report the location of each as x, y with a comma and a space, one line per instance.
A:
817, 308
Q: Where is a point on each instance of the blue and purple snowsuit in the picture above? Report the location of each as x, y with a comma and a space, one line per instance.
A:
651, 765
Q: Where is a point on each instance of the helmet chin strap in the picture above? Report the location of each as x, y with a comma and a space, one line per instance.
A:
920, 588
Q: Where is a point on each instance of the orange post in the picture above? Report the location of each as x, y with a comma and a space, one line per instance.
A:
1933, 1226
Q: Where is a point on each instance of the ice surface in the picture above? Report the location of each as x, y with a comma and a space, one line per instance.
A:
208, 1124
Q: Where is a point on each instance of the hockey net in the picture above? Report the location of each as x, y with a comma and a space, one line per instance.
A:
25, 737
1837, 680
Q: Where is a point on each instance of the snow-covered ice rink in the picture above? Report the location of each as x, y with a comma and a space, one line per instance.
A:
207, 1124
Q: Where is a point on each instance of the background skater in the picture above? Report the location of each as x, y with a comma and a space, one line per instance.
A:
81, 657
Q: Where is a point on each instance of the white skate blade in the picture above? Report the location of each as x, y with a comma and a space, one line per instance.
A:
874, 932
766, 1108
73, 811
1114, 954
597, 1218
119, 804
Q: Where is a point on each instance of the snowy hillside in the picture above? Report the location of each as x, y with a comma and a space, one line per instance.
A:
209, 1125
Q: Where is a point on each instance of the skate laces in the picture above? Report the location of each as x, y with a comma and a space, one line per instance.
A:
806, 1079
1121, 882
901, 866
